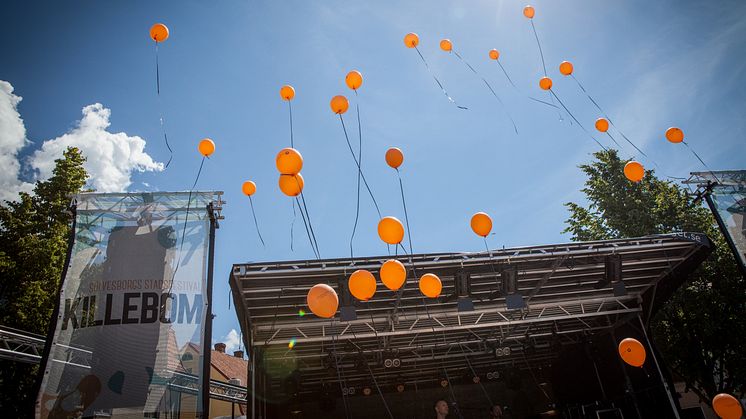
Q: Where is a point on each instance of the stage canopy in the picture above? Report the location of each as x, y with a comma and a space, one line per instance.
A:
501, 309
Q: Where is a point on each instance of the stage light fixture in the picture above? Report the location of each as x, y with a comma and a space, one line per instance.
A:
612, 271
509, 286
443, 382
509, 279
400, 388
346, 302
367, 391
475, 379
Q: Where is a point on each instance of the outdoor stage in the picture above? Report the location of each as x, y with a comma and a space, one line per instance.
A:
531, 328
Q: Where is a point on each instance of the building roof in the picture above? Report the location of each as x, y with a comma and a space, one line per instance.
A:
565, 288
230, 366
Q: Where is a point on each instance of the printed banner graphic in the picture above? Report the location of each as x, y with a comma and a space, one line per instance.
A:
129, 333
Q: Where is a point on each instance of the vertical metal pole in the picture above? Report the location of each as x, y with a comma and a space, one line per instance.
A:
657, 366
208, 318
253, 383
55, 314
724, 230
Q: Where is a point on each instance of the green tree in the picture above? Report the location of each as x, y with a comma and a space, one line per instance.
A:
34, 232
702, 329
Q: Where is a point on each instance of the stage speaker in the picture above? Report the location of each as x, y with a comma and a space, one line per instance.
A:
509, 279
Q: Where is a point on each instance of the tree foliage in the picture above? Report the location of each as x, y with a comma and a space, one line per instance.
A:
702, 329
34, 232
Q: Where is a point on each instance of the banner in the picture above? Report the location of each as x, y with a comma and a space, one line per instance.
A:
729, 197
132, 309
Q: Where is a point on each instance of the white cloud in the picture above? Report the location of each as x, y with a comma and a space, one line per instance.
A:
232, 341
111, 157
12, 140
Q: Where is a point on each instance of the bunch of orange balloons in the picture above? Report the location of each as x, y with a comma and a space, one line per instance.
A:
289, 163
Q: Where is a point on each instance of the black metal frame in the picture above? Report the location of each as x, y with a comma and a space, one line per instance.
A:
56, 311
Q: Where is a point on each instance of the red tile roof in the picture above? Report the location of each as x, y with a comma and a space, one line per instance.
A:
230, 366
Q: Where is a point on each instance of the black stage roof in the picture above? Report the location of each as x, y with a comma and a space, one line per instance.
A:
565, 288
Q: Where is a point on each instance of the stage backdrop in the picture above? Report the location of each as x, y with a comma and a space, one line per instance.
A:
129, 332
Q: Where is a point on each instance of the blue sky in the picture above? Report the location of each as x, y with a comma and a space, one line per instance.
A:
651, 65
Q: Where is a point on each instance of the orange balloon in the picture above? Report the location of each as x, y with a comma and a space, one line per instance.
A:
393, 274
159, 32
602, 124
494, 54
249, 188
446, 45
287, 92
634, 171
529, 12
339, 104
566, 68
727, 406
206, 147
322, 300
390, 230
291, 185
481, 223
632, 352
354, 79
394, 157
362, 285
411, 40
430, 285
675, 135
545, 83
289, 161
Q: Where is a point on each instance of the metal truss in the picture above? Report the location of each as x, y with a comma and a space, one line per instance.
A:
16, 345
567, 294
19, 346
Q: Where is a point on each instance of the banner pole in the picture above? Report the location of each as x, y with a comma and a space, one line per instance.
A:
55, 313
206, 361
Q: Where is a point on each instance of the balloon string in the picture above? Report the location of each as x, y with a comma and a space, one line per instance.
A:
474, 373
576, 120
160, 106
506, 75
292, 225
256, 224
308, 232
157, 71
609, 119
701, 161
406, 216
438, 81
541, 53
515, 128
517, 90
357, 163
183, 231
614, 140
340, 380
310, 225
359, 171
543, 64
290, 109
